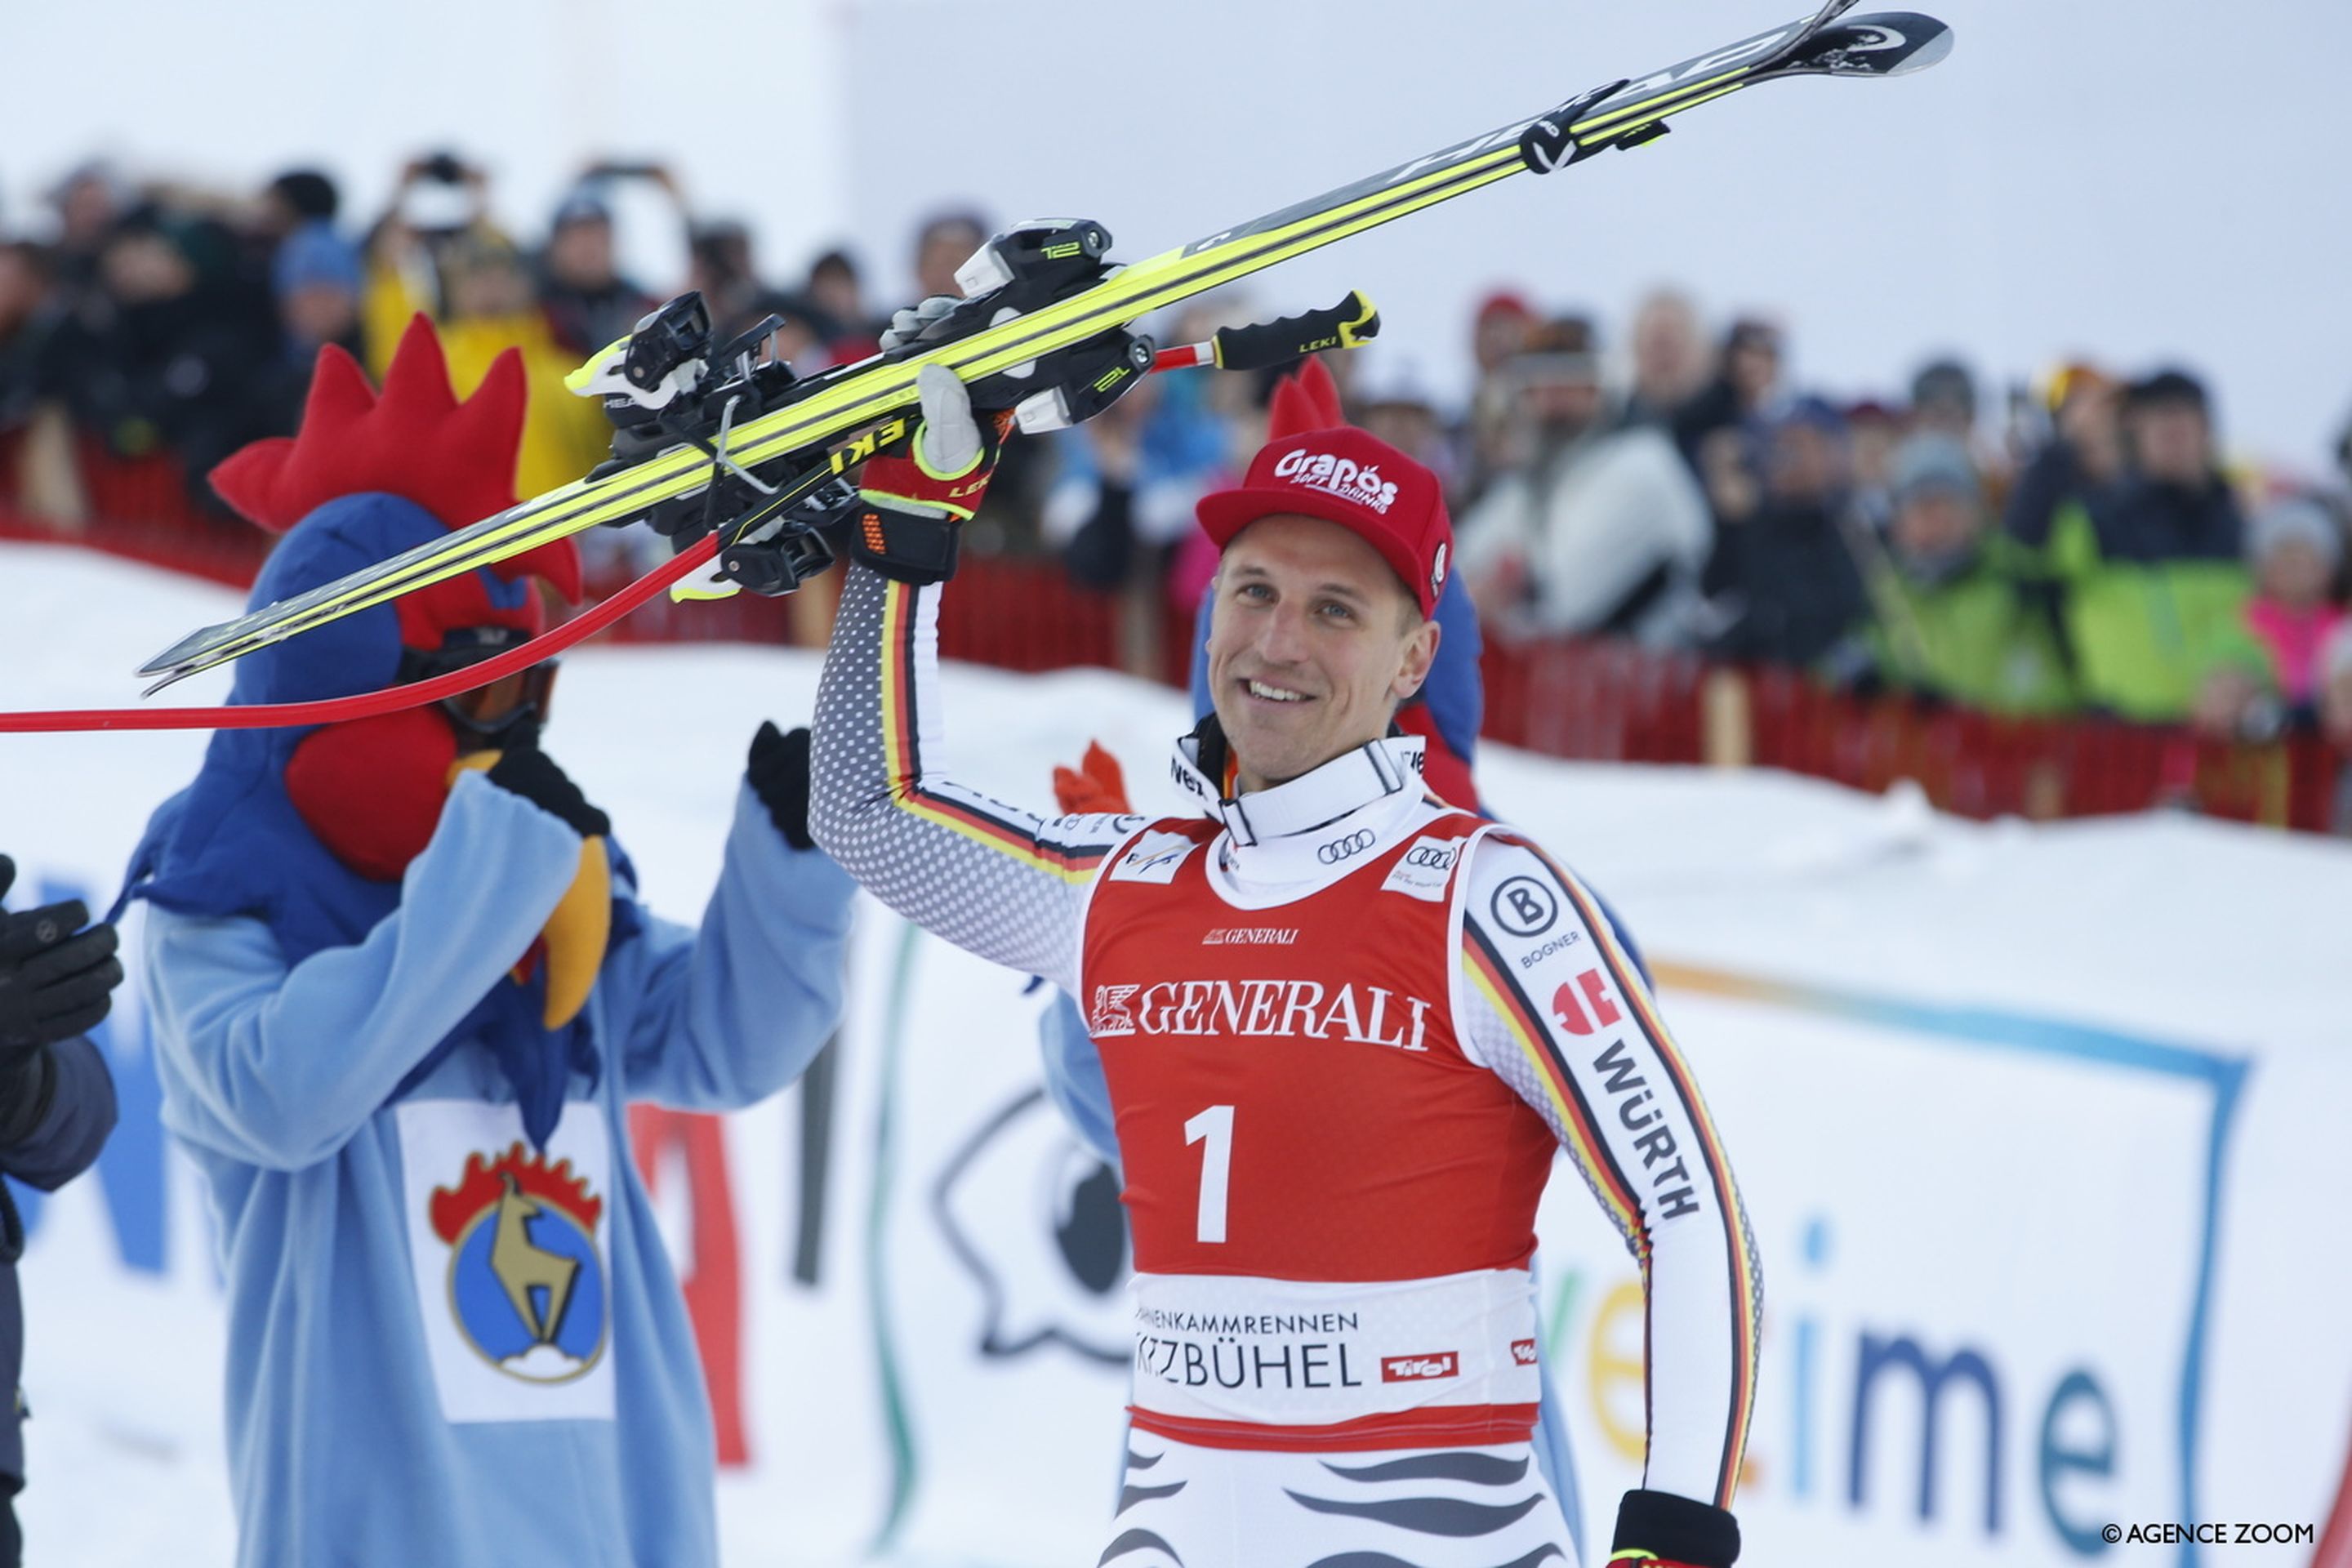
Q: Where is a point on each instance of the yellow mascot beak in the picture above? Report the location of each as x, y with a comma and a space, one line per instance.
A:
577, 933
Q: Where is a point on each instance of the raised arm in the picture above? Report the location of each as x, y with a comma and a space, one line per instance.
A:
1005, 883
730, 1012
1551, 1002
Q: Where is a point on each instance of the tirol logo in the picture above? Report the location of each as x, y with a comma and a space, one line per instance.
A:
1523, 1351
1341, 476
1420, 1368
525, 1281
1110, 1014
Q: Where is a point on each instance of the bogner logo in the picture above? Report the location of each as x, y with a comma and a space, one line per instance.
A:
1420, 1368
1276, 1009
1346, 847
1341, 476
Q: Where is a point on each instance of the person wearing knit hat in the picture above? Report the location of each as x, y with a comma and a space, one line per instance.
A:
1343, 1028
316, 276
2296, 547
1946, 617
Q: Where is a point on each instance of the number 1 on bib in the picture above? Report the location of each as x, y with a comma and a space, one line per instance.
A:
1216, 1125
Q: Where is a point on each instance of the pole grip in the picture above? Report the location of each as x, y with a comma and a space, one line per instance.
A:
1352, 322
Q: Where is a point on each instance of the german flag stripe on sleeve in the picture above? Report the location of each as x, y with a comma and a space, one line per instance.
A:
962, 812
1747, 1314
1492, 979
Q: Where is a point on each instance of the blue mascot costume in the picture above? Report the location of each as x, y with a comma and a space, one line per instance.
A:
404, 991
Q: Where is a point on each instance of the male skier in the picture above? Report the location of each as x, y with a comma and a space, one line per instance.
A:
1343, 1027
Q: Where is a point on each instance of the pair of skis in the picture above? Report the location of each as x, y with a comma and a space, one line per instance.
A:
1032, 327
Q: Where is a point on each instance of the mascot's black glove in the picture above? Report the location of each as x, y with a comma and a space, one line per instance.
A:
56, 980
532, 774
779, 773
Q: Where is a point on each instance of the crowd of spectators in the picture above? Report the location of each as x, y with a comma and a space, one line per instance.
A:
2084, 547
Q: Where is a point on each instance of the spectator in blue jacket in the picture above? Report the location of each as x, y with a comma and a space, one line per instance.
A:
57, 1106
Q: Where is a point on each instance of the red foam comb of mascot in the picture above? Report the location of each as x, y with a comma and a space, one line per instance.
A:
367, 475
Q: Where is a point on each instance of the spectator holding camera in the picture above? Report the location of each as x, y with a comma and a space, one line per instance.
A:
1782, 581
2072, 470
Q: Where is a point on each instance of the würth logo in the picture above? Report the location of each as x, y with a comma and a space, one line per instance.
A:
1523, 1351
1341, 476
1420, 1368
1573, 1016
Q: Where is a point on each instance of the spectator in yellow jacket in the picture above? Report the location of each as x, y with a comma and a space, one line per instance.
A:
487, 305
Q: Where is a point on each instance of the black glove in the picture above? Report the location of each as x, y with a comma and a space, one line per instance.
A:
1660, 1530
779, 774
54, 984
532, 774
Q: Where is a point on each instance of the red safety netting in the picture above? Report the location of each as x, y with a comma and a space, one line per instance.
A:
1593, 700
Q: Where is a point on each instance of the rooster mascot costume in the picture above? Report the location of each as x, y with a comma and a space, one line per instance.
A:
402, 992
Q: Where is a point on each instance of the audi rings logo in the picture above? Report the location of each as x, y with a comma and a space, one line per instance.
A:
1429, 856
1346, 848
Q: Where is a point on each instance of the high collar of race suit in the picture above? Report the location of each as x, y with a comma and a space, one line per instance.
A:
1273, 835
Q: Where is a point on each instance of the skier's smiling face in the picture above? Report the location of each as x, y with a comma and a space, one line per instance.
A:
1312, 644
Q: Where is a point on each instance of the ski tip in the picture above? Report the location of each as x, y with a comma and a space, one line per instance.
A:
184, 658
1881, 44
163, 663
1924, 39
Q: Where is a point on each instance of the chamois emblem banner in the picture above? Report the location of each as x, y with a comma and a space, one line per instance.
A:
508, 1247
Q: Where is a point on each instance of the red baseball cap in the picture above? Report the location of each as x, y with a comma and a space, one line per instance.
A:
1366, 486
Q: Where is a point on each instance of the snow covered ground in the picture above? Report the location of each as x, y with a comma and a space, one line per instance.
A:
2068, 1100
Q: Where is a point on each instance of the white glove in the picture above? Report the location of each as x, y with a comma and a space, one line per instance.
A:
911, 323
